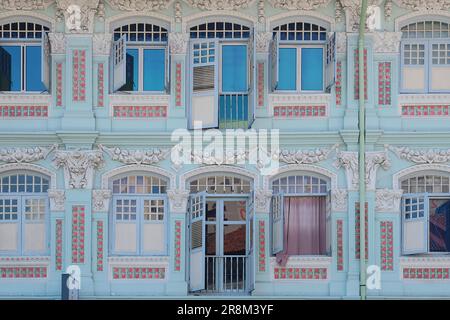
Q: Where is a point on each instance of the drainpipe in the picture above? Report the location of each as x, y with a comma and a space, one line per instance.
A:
362, 148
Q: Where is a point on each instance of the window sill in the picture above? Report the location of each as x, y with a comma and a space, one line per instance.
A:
303, 98
129, 260
426, 260
26, 98
423, 98
120, 98
319, 261
24, 260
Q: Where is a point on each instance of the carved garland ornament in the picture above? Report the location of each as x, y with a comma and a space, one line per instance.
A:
423, 5
299, 4
304, 156
421, 156
139, 5
387, 200
57, 198
25, 155
100, 200
24, 4
139, 157
220, 4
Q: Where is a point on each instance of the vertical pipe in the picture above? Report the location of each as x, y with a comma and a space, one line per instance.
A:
362, 147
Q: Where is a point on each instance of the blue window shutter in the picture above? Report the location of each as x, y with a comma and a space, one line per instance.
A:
119, 63
154, 69
277, 223
312, 69
274, 46
12, 69
46, 62
415, 223
33, 69
234, 68
197, 216
287, 79
330, 68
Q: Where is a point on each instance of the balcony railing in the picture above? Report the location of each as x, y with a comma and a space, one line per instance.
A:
234, 110
226, 275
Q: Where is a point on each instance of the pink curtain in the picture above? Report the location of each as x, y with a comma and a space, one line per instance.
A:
304, 227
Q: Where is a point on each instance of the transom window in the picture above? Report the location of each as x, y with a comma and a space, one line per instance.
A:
301, 184
220, 184
425, 57
140, 58
226, 30
24, 52
426, 214
139, 214
303, 57
23, 214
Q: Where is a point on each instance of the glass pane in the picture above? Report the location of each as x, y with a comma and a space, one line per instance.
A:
312, 69
154, 69
132, 73
287, 69
10, 68
234, 239
234, 211
210, 239
211, 211
33, 69
439, 225
234, 68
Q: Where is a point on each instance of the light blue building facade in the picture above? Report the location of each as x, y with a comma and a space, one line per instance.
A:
94, 92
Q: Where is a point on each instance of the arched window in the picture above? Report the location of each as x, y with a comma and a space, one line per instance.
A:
221, 184
426, 213
221, 58
426, 56
23, 213
140, 58
139, 215
24, 56
303, 57
300, 216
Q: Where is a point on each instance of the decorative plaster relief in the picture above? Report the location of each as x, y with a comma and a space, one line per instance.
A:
299, 4
386, 42
139, 5
79, 14
24, 4
352, 10
25, 155
220, 5
387, 200
262, 200
178, 199
304, 156
57, 43
263, 40
78, 167
423, 5
339, 200
57, 199
421, 156
140, 157
178, 42
102, 43
100, 200
349, 161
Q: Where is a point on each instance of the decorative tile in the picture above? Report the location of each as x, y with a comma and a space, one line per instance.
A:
140, 111
340, 244
23, 272
425, 110
59, 85
262, 246
338, 87
387, 245
138, 273
101, 85
177, 244
260, 84
100, 251
178, 85
287, 273
59, 244
426, 273
384, 83
356, 77
357, 231
78, 225
79, 75
24, 111
299, 111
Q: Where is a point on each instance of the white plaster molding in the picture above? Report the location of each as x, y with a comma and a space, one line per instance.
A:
57, 43
138, 99
178, 199
299, 4
207, 16
79, 166
375, 160
24, 4
30, 167
229, 157
404, 19
425, 261
349, 161
339, 200
341, 42
138, 260
303, 156
280, 18
319, 98
139, 5
352, 10
263, 40
78, 14
178, 42
220, 5
420, 99
57, 199
25, 154
421, 5
100, 200
185, 177
263, 199
111, 22
388, 10
25, 99
177, 11
261, 12
429, 167
292, 168
25, 260
38, 17
101, 44
421, 156
105, 178
304, 261
387, 200
139, 157
386, 42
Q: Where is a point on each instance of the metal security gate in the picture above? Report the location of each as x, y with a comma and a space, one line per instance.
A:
223, 264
